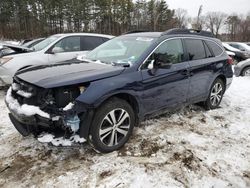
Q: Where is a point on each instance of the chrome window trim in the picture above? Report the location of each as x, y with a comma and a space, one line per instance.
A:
205, 38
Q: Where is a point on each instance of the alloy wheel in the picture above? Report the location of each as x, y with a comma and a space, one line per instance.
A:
114, 127
216, 94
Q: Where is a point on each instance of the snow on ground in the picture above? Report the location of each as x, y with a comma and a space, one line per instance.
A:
188, 148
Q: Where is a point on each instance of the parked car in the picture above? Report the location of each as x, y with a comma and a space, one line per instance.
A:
11, 49
33, 42
119, 84
54, 49
239, 55
242, 68
248, 43
241, 46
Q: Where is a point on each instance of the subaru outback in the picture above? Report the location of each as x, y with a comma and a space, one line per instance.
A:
102, 96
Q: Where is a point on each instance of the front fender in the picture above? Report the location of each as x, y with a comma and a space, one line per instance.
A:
99, 91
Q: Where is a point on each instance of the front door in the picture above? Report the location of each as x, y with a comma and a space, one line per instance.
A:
165, 86
66, 49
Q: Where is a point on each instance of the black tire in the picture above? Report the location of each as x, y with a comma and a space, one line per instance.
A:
213, 101
246, 71
103, 121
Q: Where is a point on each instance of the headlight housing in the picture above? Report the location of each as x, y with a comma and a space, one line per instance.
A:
4, 60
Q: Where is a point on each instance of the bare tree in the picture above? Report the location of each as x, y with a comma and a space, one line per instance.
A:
233, 24
215, 21
182, 17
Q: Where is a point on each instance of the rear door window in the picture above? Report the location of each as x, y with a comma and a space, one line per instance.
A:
195, 49
88, 43
215, 48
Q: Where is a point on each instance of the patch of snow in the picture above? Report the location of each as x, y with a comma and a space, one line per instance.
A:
60, 141
27, 110
76, 138
24, 93
15, 86
68, 106
46, 138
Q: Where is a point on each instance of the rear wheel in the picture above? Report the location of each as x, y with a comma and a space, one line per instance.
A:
246, 71
215, 96
112, 125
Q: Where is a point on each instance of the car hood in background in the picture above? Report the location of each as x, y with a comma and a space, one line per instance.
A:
16, 48
67, 73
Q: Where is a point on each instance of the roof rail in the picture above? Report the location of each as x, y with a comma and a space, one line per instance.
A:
135, 31
177, 31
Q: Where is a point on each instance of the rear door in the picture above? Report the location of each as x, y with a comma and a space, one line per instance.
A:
202, 64
165, 87
89, 43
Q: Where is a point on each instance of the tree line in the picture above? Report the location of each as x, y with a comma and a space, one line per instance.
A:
22, 19
231, 27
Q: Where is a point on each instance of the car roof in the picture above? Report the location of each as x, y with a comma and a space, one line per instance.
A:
84, 34
173, 32
145, 34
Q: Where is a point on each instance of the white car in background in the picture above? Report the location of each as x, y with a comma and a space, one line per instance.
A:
241, 46
54, 49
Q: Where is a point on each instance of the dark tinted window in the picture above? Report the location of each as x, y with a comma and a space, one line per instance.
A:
208, 52
170, 51
215, 48
89, 43
195, 49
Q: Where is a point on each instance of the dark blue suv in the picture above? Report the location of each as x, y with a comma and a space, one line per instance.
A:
103, 95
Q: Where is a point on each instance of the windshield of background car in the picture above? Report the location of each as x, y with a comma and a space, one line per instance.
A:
120, 50
45, 43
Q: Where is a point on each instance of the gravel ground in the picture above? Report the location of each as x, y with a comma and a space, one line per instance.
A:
189, 148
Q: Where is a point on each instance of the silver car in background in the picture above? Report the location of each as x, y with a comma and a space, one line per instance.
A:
54, 49
242, 68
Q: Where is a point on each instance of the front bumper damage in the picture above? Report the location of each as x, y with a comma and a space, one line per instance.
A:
29, 119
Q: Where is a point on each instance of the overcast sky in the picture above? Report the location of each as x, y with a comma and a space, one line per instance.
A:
227, 6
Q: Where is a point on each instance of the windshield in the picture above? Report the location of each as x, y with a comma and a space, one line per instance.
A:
121, 50
45, 43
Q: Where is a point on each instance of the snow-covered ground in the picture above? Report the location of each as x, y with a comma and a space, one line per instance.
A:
188, 148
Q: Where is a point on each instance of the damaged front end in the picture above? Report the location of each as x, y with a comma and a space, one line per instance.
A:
36, 110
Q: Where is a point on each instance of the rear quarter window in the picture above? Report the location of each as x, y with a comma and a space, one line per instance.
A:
216, 49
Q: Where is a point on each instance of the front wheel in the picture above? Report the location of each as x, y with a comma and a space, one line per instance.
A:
112, 125
215, 95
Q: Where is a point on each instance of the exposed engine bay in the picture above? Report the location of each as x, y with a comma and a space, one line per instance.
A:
53, 110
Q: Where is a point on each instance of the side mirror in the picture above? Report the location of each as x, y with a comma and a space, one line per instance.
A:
55, 50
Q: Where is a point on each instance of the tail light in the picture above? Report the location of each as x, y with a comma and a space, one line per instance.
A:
230, 61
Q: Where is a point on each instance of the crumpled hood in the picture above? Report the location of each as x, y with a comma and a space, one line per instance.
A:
67, 73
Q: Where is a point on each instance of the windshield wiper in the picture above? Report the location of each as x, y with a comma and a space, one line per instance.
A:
123, 64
